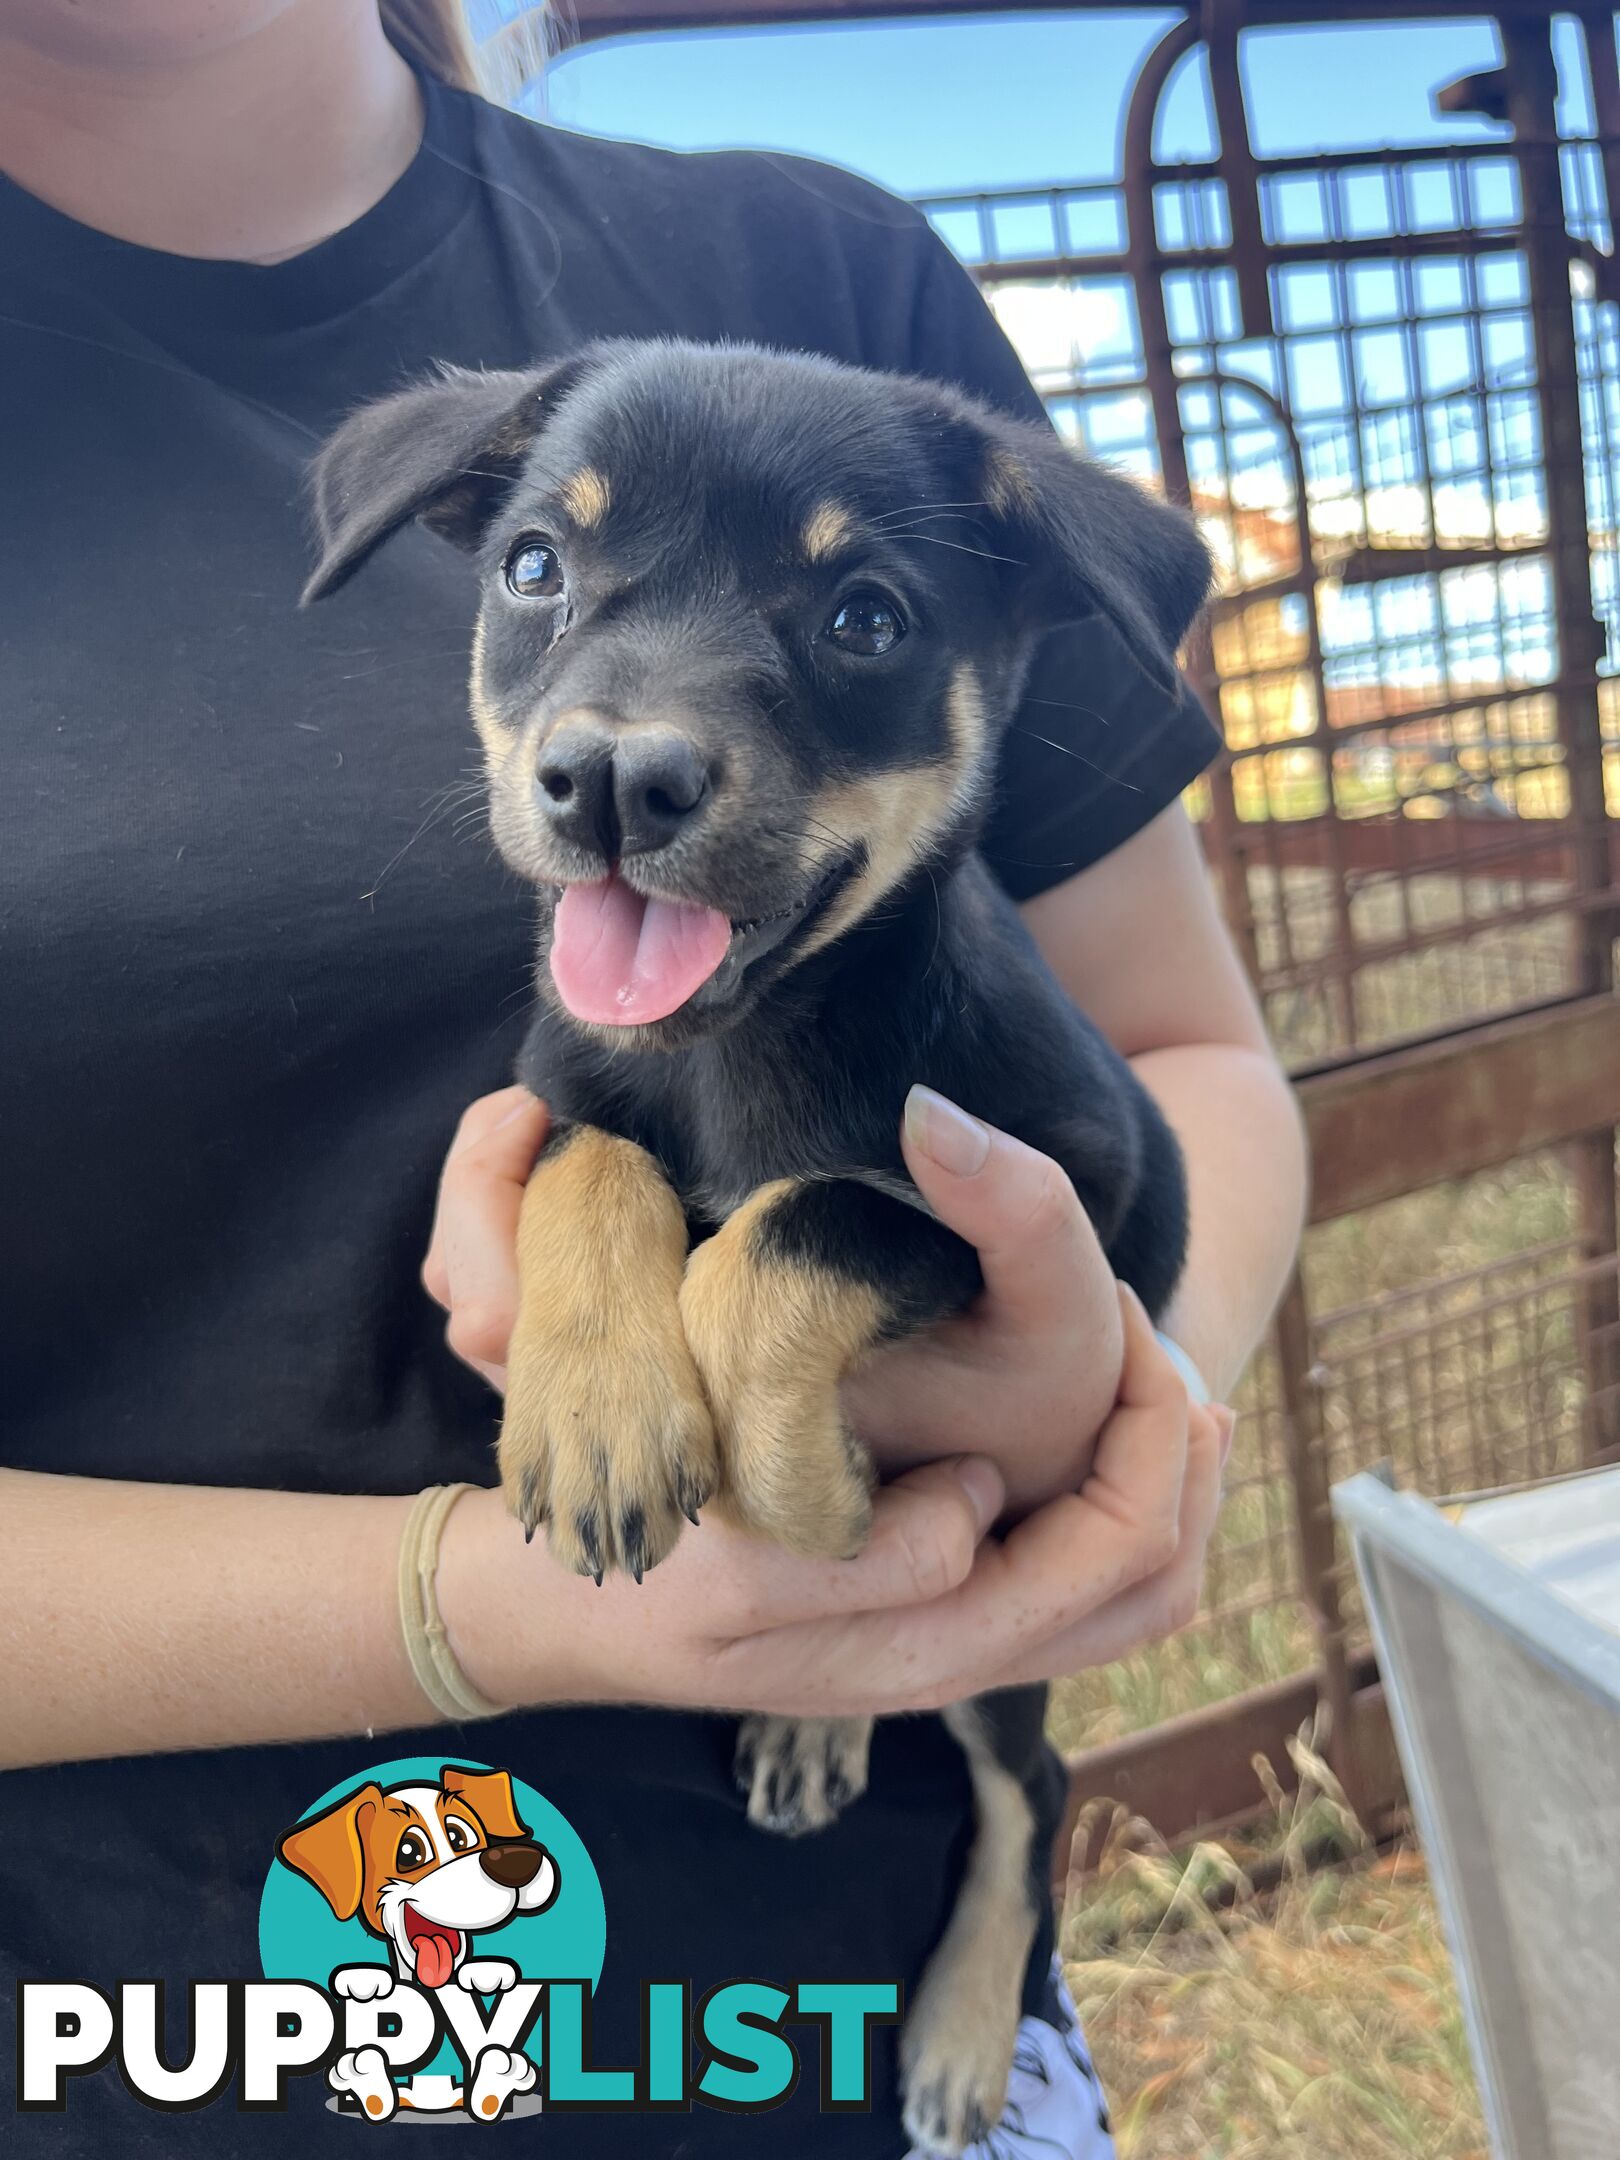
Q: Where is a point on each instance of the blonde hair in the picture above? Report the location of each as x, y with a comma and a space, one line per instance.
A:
434, 35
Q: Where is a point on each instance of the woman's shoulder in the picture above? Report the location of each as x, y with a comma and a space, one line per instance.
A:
808, 238
762, 181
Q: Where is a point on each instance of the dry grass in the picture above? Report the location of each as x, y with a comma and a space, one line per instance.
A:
1316, 2017
1254, 1628
1244, 2001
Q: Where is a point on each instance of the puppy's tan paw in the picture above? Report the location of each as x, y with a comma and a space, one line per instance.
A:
792, 1471
607, 1438
801, 1773
772, 1339
956, 2058
608, 1443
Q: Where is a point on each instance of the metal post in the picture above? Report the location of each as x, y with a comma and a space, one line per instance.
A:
1531, 82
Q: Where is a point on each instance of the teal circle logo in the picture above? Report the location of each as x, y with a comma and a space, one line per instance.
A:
337, 1891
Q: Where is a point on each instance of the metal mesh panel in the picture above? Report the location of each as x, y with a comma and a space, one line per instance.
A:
1394, 819
1389, 384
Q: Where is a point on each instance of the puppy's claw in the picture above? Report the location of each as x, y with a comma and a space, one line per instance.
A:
633, 1540
587, 1531
531, 1508
690, 1494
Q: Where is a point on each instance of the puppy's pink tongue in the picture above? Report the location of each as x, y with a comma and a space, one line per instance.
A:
618, 959
435, 1956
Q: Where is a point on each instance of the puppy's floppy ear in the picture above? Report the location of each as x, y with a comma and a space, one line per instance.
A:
327, 1849
489, 1794
445, 452
1089, 539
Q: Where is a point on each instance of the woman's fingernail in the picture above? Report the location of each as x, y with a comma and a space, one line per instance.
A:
981, 1481
1228, 1425
521, 1108
945, 1134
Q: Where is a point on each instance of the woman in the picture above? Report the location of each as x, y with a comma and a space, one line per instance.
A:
254, 980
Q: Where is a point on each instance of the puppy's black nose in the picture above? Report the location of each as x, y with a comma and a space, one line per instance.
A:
620, 793
511, 1865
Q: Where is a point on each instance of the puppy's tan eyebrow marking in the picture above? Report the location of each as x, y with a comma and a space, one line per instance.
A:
586, 497
828, 528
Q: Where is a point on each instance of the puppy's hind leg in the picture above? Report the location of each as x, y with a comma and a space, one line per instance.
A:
956, 2050
801, 1773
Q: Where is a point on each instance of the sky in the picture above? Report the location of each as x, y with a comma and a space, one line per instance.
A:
953, 105
975, 102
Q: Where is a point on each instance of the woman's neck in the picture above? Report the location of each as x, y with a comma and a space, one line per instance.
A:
247, 147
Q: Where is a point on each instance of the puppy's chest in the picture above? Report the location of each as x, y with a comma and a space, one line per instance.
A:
723, 1142
723, 1126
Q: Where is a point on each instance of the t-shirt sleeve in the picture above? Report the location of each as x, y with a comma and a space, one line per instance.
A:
1096, 750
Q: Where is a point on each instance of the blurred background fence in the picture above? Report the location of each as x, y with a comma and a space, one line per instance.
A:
1388, 382
1389, 385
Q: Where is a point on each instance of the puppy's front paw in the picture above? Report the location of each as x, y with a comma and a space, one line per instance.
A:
607, 1439
772, 1340
801, 1773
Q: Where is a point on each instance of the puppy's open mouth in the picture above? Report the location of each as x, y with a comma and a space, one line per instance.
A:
620, 959
435, 1948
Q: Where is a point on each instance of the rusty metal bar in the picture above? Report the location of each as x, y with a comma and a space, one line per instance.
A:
1603, 69
1460, 1103
1531, 81
1194, 1775
1240, 174
1316, 1536
1158, 351
588, 20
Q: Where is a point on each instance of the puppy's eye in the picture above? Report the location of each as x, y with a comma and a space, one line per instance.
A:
867, 624
457, 1836
414, 1851
534, 570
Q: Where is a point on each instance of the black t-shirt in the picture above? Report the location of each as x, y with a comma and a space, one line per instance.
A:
255, 964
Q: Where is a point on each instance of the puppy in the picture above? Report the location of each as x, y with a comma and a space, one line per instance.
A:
424, 1867
751, 628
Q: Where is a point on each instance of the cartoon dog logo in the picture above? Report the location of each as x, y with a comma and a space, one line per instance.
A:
425, 1868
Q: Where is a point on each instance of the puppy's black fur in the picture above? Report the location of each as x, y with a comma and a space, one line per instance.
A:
752, 626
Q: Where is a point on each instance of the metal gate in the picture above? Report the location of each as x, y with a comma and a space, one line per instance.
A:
1389, 383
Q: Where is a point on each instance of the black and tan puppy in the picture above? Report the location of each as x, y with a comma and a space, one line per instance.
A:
751, 628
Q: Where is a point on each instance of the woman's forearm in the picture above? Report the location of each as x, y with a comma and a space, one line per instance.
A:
1241, 1134
1172, 996
156, 1617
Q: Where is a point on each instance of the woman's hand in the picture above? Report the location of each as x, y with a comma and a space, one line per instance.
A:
932, 1611
1027, 1375
471, 1264
1035, 1362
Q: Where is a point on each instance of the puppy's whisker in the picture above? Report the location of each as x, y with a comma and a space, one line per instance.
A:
448, 801
1067, 705
1067, 750
961, 547
887, 517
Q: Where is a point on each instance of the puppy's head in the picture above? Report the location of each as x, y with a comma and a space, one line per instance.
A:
750, 627
425, 1866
